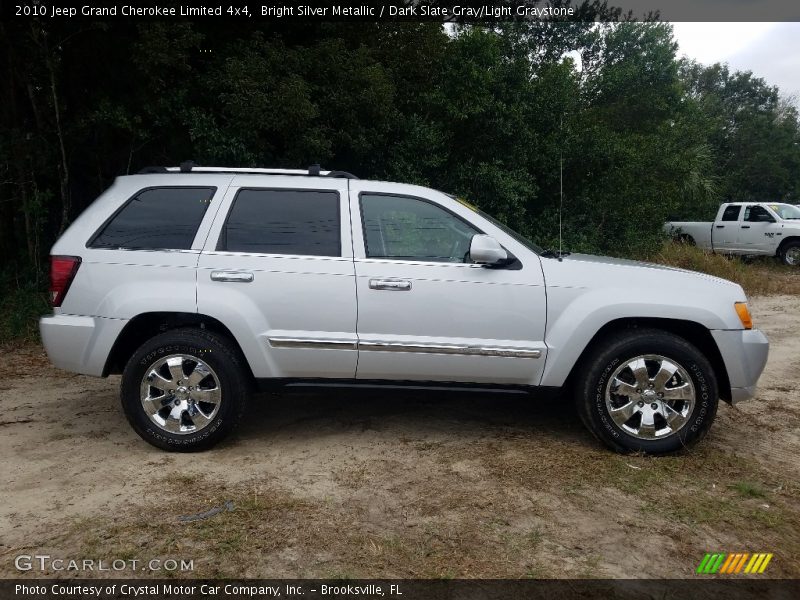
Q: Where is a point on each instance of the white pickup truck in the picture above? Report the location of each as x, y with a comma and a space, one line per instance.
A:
747, 228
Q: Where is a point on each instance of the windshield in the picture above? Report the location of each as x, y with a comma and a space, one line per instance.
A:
517, 236
785, 211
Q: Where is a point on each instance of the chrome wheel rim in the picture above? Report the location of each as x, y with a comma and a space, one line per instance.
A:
793, 256
650, 397
180, 394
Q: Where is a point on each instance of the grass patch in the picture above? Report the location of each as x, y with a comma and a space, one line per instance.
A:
260, 523
758, 276
273, 531
748, 489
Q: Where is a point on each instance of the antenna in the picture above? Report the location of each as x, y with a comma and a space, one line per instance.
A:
560, 183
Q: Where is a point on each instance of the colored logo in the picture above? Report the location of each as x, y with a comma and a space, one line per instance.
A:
734, 564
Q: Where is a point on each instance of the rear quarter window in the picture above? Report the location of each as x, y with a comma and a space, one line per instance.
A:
158, 218
731, 213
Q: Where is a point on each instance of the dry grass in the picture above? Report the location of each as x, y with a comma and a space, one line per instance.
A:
22, 356
758, 276
270, 531
500, 507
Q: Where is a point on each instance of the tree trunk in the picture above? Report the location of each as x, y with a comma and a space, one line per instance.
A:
26, 213
64, 167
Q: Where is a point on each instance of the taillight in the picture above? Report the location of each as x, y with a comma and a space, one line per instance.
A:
62, 272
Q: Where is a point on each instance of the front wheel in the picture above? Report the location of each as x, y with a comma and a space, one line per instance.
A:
647, 391
184, 390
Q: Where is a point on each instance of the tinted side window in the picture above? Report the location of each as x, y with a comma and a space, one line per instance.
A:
283, 222
408, 228
757, 214
731, 213
156, 218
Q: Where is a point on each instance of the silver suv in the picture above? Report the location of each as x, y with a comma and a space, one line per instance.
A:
201, 285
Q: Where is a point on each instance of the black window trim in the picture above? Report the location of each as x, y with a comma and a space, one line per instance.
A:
124, 205
513, 266
749, 211
223, 229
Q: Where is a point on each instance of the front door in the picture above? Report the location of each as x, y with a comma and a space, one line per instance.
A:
758, 230
425, 312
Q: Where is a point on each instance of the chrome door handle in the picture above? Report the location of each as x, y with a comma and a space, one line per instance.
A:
399, 285
233, 276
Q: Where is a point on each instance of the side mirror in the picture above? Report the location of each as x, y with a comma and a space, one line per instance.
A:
485, 250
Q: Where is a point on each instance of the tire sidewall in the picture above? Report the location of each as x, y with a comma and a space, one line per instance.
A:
674, 349
199, 345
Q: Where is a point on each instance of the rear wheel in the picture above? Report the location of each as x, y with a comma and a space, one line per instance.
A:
184, 390
790, 254
647, 391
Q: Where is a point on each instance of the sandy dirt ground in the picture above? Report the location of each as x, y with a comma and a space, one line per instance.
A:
380, 484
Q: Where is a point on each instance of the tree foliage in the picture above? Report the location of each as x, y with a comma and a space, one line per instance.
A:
487, 113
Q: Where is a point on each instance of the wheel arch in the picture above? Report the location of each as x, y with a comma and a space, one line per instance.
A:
147, 325
692, 332
786, 242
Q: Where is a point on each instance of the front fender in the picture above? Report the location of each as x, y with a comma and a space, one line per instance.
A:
577, 315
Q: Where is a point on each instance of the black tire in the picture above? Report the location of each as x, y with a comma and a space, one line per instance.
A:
782, 253
228, 376
594, 379
687, 240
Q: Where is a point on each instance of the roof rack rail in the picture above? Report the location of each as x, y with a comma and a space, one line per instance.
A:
190, 167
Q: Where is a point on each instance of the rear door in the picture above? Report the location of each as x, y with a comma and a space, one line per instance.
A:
277, 270
725, 234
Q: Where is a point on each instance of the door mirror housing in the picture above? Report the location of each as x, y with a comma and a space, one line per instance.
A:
485, 250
